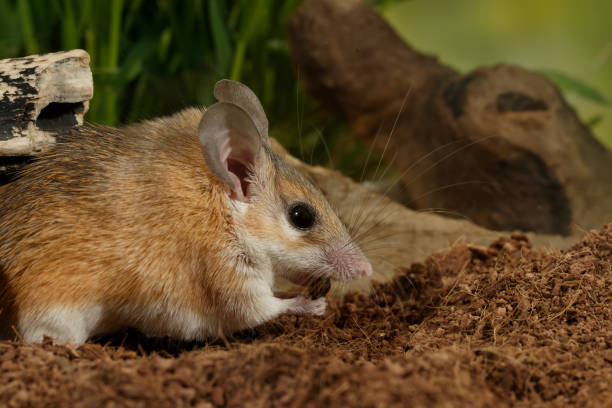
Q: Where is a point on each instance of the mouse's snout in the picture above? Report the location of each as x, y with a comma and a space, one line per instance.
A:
348, 263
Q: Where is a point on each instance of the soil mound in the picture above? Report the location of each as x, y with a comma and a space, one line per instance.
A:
472, 326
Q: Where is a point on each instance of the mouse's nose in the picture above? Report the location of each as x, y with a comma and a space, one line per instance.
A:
363, 268
348, 262
367, 268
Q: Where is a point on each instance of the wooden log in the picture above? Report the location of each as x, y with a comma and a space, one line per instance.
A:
498, 145
40, 95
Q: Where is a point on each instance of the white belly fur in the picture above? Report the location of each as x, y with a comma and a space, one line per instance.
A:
77, 324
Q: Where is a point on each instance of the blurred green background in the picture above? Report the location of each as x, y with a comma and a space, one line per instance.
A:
151, 58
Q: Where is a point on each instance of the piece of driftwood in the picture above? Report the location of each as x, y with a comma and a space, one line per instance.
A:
498, 145
40, 95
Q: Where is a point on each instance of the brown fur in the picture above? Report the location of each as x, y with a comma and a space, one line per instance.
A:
290, 186
102, 219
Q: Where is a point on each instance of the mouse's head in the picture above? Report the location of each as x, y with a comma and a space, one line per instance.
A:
284, 216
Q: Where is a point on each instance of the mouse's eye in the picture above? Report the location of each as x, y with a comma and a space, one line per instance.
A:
302, 216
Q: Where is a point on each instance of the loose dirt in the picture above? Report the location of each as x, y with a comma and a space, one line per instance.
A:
471, 326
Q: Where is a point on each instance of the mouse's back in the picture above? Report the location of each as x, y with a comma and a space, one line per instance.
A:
107, 218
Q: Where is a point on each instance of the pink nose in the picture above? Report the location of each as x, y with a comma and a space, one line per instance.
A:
349, 263
362, 273
365, 269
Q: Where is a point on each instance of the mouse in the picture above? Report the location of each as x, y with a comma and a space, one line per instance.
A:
178, 227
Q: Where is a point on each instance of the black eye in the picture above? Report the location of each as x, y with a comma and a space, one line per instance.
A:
302, 216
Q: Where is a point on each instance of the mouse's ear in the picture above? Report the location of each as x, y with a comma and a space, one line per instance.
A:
241, 95
231, 145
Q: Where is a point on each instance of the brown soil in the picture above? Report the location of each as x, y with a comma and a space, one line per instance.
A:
472, 326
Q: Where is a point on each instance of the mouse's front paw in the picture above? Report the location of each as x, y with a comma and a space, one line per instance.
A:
304, 306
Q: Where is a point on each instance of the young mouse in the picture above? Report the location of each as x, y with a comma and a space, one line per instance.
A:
177, 227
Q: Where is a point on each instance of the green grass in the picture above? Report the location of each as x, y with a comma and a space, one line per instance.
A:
151, 58
154, 58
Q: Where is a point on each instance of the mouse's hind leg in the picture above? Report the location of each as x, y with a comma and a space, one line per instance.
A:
64, 324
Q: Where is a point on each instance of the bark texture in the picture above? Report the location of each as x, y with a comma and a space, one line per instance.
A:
39, 95
498, 145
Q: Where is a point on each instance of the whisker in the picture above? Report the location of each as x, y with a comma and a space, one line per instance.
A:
381, 219
297, 107
448, 156
446, 187
416, 163
363, 213
393, 128
329, 156
365, 166
446, 211
388, 167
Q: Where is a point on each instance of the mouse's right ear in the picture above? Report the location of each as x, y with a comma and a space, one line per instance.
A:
231, 145
239, 94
